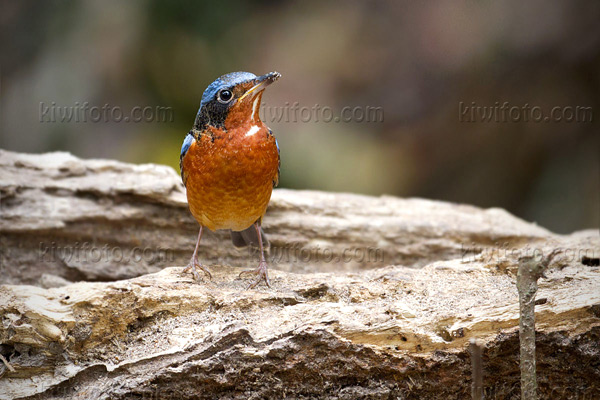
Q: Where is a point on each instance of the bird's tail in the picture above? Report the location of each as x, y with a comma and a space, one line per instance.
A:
248, 237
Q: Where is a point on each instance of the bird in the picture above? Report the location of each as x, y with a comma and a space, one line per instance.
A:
230, 163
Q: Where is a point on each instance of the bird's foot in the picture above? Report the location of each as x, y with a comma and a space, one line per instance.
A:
261, 271
192, 267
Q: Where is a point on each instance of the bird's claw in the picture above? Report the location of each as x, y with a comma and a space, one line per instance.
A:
261, 271
192, 267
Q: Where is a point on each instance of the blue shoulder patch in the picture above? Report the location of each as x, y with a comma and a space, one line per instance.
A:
276, 180
187, 142
227, 80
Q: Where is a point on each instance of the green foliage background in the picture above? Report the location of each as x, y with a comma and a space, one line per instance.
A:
416, 60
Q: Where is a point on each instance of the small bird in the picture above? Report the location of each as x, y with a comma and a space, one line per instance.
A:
230, 163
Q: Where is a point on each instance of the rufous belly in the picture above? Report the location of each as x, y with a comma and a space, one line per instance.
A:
229, 178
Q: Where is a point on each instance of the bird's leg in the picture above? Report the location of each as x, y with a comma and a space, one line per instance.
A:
194, 261
261, 270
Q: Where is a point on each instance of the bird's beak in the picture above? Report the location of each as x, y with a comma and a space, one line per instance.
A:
260, 83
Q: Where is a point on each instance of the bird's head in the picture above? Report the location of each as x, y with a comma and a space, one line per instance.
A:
233, 99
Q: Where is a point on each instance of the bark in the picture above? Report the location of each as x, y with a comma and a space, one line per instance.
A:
337, 323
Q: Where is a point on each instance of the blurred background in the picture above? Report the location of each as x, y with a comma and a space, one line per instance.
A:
415, 61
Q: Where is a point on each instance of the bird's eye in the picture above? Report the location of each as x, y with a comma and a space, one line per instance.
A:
225, 96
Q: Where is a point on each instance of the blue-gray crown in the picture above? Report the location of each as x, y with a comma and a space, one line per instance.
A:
227, 80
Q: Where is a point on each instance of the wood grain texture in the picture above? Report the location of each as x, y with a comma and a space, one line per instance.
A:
398, 328
103, 220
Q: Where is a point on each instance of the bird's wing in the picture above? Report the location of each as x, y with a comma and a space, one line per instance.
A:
187, 142
276, 180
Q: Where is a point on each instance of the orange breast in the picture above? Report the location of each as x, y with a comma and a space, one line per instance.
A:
229, 176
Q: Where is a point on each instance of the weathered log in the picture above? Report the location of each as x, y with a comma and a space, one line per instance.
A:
100, 220
395, 328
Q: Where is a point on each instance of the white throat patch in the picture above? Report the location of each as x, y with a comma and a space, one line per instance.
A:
253, 129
